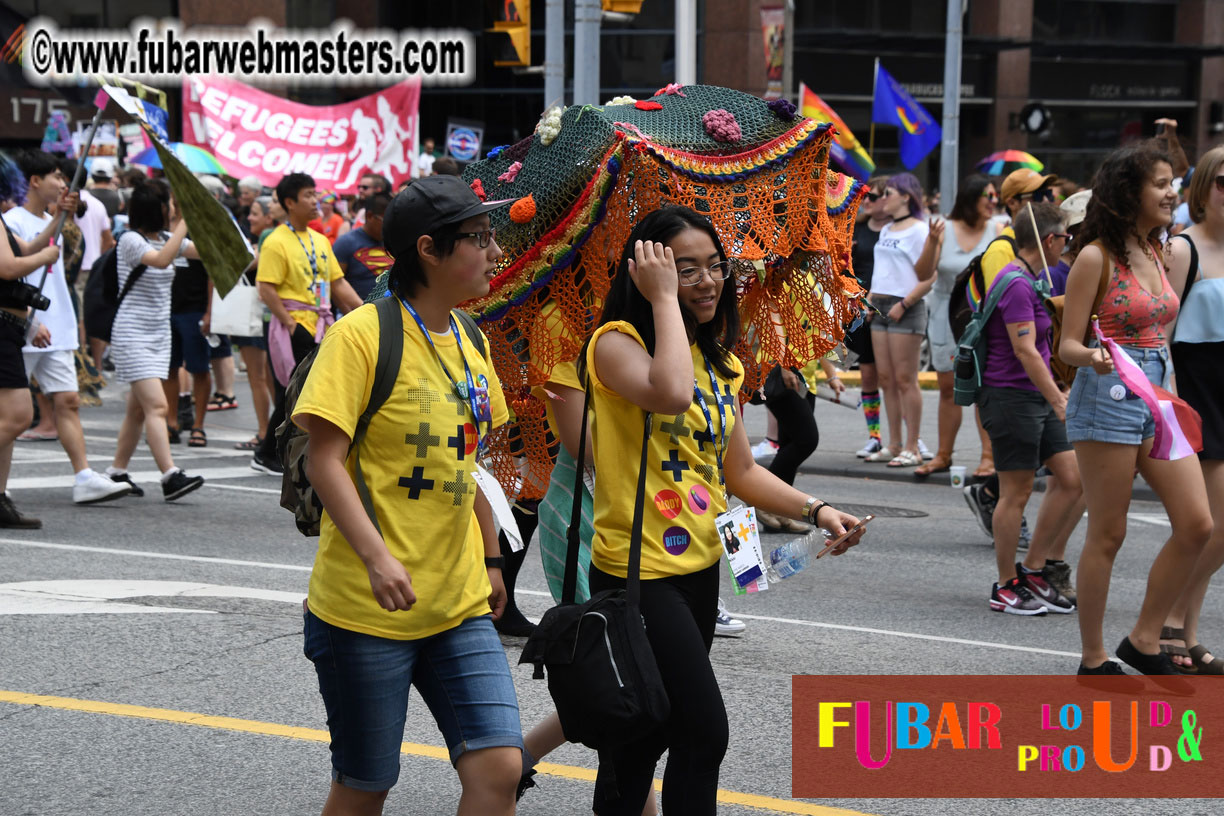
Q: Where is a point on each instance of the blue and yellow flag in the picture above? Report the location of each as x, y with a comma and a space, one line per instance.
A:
893, 105
845, 150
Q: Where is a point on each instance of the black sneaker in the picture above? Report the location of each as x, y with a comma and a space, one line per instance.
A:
11, 518
983, 506
1107, 668
525, 782
1109, 677
179, 485
136, 490
266, 464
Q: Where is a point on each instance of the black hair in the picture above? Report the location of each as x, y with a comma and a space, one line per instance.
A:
291, 185
407, 274
625, 302
377, 204
384, 183
964, 209
37, 163
148, 205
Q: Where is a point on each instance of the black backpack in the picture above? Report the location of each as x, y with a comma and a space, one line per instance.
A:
102, 293
961, 304
297, 494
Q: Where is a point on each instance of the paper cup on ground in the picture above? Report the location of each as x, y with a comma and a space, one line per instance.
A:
957, 474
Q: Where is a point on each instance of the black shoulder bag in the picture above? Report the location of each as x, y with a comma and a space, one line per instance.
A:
602, 673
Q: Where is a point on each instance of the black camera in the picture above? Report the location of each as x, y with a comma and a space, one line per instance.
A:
21, 295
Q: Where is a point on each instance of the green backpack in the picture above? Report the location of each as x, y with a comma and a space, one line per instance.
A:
297, 494
971, 350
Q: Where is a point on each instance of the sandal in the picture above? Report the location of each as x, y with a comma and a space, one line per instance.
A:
1203, 666
251, 444
941, 463
985, 469
1172, 650
906, 459
222, 402
198, 439
882, 455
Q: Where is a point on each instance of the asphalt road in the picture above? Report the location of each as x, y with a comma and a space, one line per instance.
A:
190, 694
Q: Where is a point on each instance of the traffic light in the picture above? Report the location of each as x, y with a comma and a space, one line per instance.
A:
622, 6
514, 21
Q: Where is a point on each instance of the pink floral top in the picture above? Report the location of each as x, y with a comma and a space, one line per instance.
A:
1133, 316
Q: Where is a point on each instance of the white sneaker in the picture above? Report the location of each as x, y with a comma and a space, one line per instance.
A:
925, 451
873, 446
98, 488
764, 449
724, 624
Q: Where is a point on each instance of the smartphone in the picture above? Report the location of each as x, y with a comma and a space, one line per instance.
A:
1160, 129
833, 544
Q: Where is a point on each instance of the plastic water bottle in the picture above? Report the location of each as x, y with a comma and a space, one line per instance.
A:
214, 340
793, 556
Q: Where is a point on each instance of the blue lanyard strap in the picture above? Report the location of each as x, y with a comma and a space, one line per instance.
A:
720, 441
311, 256
465, 390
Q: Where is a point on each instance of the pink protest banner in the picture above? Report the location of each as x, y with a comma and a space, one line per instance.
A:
253, 133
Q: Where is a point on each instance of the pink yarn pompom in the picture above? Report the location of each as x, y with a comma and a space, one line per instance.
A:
721, 125
511, 172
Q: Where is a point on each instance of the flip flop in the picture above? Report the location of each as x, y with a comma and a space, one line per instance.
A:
38, 436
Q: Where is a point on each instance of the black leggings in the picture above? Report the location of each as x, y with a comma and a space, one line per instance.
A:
679, 614
797, 432
302, 342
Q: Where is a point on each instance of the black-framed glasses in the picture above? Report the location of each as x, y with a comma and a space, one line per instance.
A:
693, 275
1043, 194
482, 238
1066, 236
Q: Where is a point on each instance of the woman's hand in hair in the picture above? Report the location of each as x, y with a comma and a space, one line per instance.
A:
653, 270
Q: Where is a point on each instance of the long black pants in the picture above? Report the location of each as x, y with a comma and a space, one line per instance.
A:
302, 343
797, 432
679, 614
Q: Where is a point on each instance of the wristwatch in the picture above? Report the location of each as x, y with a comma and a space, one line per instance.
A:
498, 561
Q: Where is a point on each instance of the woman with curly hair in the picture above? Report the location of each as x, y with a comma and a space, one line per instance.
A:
1132, 200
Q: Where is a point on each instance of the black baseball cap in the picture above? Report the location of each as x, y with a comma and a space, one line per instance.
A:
429, 203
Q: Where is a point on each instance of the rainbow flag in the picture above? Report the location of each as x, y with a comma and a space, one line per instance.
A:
1179, 428
845, 150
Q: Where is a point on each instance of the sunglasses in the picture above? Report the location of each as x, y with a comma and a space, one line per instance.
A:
992, 197
1044, 194
873, 196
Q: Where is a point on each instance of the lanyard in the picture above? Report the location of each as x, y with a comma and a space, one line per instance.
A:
1040, 285
720, 441
312, 257
465, 390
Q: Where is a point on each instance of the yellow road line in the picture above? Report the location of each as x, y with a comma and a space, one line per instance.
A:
766, 803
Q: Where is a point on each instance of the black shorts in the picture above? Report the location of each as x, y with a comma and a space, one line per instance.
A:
859, 341
1023, 428
12, 364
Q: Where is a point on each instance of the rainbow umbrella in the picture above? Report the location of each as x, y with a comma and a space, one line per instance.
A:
196, 159
1006, 161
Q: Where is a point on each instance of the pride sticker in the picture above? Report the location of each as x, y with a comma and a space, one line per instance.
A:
676, 540
699, 499
669, 503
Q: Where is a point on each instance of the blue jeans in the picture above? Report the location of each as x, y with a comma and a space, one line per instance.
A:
1101, 409
461, 674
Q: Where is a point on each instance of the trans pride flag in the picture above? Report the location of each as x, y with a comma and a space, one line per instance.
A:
1179, 428
845, 150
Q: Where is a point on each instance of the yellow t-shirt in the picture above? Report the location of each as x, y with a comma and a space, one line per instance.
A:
683, 496
417, 458
998, 255
284, 262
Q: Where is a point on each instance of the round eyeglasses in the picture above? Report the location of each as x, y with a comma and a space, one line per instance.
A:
693, 275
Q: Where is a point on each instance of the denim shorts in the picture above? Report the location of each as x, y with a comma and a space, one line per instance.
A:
914, 321
461, 674
1101, 409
